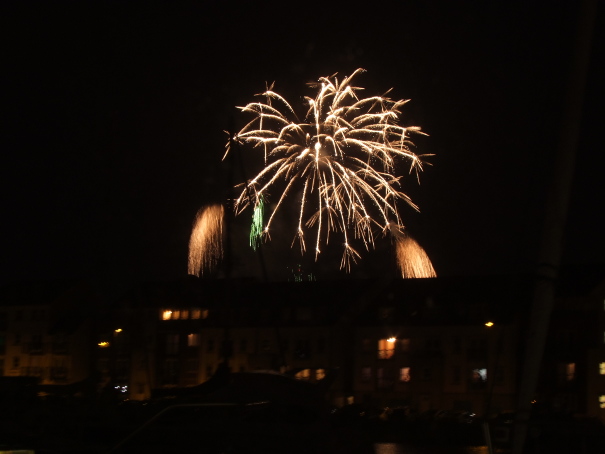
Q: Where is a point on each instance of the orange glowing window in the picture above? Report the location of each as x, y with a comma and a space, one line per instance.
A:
404, 374
193, 340
602, 368
602, 401
386, 348
184, 314
198, 313
166, 314
320, 374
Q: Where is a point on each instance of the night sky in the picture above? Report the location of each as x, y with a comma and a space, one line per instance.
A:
115, 112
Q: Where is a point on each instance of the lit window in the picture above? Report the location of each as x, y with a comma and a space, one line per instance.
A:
404, 374
193, 340
602, 368
304, 374
602, 401
104, 344
166, 314
320, 374
184, 314
176, 314
386, 348
198, 313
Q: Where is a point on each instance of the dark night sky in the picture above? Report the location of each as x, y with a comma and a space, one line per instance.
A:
114, 115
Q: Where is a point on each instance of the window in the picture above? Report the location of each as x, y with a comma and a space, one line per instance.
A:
172, 344
602, 401
304, 374
602, 368
303, 350
366, 346
404, 344
479, 376
404, 374
386, 348
198, 313
570, 371
427, 374
566, 372
193, 340
320, 374
184, 314
192, 366
366, 374
36, 344
171, 374
59, 344
166, 314
383, 378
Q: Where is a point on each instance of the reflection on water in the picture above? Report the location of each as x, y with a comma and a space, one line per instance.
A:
398, 448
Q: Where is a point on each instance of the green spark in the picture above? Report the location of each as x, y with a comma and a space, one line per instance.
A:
256, 230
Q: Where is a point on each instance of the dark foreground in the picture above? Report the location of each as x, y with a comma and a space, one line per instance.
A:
87, 427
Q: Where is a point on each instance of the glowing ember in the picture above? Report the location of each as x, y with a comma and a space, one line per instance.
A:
341, 160
206, 241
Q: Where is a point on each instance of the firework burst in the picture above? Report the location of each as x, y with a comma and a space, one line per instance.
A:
339, 161
206, 241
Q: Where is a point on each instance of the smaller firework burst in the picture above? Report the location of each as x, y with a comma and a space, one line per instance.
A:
206, 241
412, 260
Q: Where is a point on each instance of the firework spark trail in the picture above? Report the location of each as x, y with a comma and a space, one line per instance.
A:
412, 260
206, 241
345, 152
